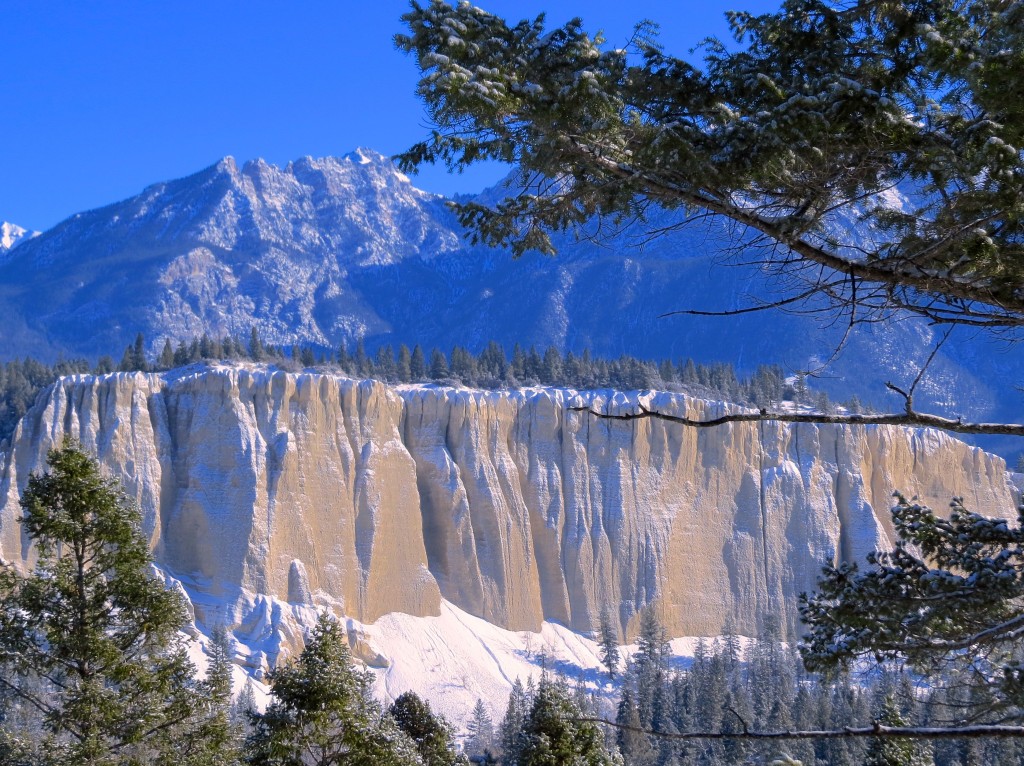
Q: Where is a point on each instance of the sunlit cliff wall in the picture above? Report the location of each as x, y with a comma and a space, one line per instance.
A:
319, 489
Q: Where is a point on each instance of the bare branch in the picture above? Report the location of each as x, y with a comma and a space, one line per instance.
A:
908, 418
750, 309
924, 367
743, 723
27, 696
847, 732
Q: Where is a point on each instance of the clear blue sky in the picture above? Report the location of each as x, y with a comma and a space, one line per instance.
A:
101, 98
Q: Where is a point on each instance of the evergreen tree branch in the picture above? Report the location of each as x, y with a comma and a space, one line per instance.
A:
1009, 630
898, 273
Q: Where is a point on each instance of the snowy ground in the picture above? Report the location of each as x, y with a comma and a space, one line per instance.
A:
455, 658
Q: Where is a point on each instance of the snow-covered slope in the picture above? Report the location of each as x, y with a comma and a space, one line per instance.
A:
451, 659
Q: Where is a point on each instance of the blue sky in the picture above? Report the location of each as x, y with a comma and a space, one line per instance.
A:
103, 98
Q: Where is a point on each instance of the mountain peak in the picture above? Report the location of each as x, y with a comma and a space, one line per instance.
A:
363, 156
12, 235
227, 165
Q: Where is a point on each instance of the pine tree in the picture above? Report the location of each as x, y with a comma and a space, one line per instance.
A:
243, 709
138, 354
181, 354
896, 752
518, 364
667, 371
255, 345
609, 645
963, 570
463, 366
93, 626
385, 363
104, 365
480, 729
216, 726
492, 363
431, 734
438, 365
344, 360
551, 367
554, 735
127, 363
635, 746
533, 367
404, 364
417, 364
360, 361
167, 355
511, 729
649, 664
322, 712
753, 133
206, 347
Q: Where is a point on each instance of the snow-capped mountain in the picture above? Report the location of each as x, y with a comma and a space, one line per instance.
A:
225, 249
12, 235
326, 251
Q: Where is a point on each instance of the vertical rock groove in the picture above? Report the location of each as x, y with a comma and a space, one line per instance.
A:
258, 484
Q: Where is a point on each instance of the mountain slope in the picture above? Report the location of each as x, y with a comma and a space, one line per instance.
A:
220, 251
331, 250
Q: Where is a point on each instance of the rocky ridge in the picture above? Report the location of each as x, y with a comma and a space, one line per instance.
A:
266, 493
327, 251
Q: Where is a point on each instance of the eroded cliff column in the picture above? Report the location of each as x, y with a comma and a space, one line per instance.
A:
317, 489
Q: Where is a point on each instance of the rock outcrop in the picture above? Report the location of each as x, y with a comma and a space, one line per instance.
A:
261, 487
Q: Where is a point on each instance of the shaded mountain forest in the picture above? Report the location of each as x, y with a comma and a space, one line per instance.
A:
492, 367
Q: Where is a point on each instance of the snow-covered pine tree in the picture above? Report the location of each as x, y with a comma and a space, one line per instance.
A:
608, 641
896, 752
322, 712
244, 708
480, 729
554, 734
431, 734
946, 600
820, 107
92, 630
510, 732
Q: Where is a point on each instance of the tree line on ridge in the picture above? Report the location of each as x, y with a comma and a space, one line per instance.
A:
21, 380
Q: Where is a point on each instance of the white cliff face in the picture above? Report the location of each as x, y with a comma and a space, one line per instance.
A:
261, 489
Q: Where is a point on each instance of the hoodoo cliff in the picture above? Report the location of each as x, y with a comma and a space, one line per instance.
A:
316, 489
